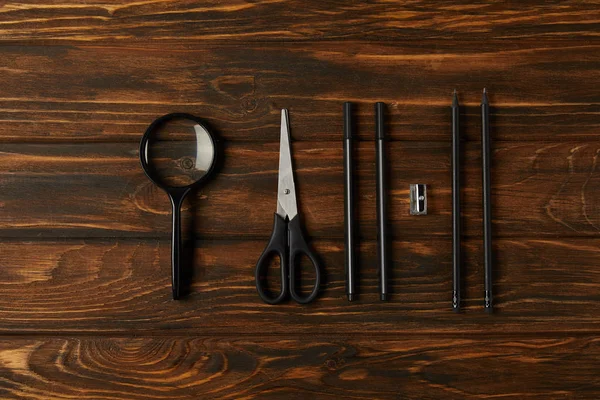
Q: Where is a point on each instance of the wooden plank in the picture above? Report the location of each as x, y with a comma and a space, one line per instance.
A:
194, 21
124, 287
85, 307
539, 91
319, 368
539, 190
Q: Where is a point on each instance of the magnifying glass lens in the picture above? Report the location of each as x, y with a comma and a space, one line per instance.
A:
179, 152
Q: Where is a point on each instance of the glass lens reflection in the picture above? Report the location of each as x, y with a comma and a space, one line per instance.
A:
179, 152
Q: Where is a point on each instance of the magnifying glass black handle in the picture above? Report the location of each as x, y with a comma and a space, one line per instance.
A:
176, 196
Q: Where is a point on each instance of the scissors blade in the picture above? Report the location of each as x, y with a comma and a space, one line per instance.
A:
286, 190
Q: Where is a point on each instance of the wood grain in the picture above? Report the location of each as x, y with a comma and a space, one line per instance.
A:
124, 286
326, 368
193, 21
539, 190
539, 92
85, 308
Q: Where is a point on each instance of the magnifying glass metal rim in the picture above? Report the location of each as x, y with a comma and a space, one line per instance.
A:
144, 145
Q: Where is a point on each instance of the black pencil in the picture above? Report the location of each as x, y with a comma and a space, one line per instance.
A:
487, 205
455, 203
381, 181
349, 203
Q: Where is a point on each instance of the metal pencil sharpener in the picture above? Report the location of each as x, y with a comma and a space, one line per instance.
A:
418, 199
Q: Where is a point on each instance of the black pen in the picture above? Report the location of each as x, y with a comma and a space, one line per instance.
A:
381, 181
455, 203
487, 202
349, 203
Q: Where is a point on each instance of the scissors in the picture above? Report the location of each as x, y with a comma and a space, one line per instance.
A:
287, 240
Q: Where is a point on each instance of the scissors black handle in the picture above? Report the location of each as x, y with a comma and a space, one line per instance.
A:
287, 242
278, 246
299, 247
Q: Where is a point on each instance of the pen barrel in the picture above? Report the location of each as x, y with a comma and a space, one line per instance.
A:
456, 231
381, 183
487, 204
380, 120
349, 203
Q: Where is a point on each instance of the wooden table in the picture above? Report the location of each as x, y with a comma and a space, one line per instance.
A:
85, 307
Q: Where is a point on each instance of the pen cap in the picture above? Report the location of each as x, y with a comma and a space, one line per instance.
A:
348, 120
379, 120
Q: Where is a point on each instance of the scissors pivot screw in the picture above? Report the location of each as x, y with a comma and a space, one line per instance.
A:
287, 191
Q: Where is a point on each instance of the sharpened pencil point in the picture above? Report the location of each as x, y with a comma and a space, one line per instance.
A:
484, 90
484, 98
454, 99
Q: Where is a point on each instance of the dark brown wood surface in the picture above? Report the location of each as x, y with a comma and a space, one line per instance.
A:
331, 367
85, 308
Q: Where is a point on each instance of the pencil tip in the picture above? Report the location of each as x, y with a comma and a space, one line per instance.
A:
455, 92
484, 90
455, 301
484, 98
454, 99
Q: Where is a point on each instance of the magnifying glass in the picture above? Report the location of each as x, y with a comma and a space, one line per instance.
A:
177, 153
